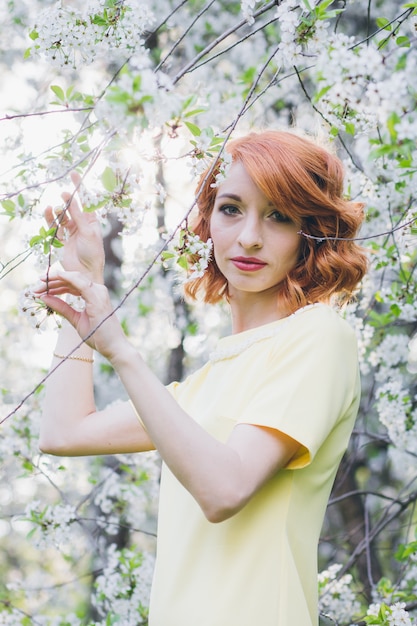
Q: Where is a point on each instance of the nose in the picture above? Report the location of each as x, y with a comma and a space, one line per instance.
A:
250, 235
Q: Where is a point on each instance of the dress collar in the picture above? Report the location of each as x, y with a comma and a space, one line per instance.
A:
233, 345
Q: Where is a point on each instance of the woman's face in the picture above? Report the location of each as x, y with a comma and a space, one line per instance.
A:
254, 245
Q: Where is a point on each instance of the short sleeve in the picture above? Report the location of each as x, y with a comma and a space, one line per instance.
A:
307, 384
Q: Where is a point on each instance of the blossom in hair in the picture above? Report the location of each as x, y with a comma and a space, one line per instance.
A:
191, 254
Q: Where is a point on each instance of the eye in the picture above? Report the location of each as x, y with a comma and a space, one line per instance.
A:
276, 216
229, 209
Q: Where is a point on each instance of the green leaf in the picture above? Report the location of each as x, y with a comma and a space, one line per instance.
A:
109, 179
321, 93
350, 128
195, 130
324, 4
167, 255
9, 208
395, 310
402, 62
59, 92
194, 112
137, 83
183, 262
403, 42
383, 43
383, 22
31, 533
34, 35
404, 551
98, 20
34, 240
329, 15
189, 101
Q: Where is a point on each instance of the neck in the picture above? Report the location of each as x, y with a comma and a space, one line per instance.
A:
251, 314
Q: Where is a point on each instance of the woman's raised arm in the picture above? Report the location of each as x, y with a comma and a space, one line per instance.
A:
70, 424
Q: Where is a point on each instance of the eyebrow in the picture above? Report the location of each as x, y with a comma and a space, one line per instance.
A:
234, 196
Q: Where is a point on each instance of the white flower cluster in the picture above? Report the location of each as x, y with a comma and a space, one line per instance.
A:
346, 74
36, 312
289, 50
226, 162
395, 411
399, 616
190, 253
123, 589
247, 7
51, 524
396, 614
337, 600
67, 36
139, 99
201, 156
364, 334
390, 361
17, 438
391, 353
118, 497
202, 250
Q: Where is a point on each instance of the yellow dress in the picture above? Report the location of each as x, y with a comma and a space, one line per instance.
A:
300, 376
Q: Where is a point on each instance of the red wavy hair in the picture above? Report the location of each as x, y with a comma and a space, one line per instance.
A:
305, 182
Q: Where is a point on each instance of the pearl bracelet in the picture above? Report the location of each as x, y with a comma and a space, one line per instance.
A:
74, 358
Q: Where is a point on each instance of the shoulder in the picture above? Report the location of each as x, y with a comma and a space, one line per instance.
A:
321, 319
318, 330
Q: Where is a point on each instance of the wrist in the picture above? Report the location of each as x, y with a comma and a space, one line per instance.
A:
69, 341
73, 356
123, 355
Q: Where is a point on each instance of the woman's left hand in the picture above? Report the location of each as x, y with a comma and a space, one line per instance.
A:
81, 236
97, 324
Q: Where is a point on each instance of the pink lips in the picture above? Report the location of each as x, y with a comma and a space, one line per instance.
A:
248, 263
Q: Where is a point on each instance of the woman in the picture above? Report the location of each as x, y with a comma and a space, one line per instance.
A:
250, 442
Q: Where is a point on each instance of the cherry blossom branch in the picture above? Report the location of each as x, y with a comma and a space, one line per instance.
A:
253, 32
185, 33
364, 238
219, 39
43, 113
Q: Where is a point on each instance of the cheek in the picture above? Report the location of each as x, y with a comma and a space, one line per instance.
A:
289, 243
215, 233
293, 253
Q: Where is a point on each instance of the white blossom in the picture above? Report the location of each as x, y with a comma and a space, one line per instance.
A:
247, 8
68, 36
399, 616
337, 599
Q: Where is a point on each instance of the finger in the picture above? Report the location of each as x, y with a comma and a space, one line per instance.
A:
57, 218
71, 205
76, 180
55, 290
75, 283
57, 287
62, 308
79, 217
49, 216
65, 279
